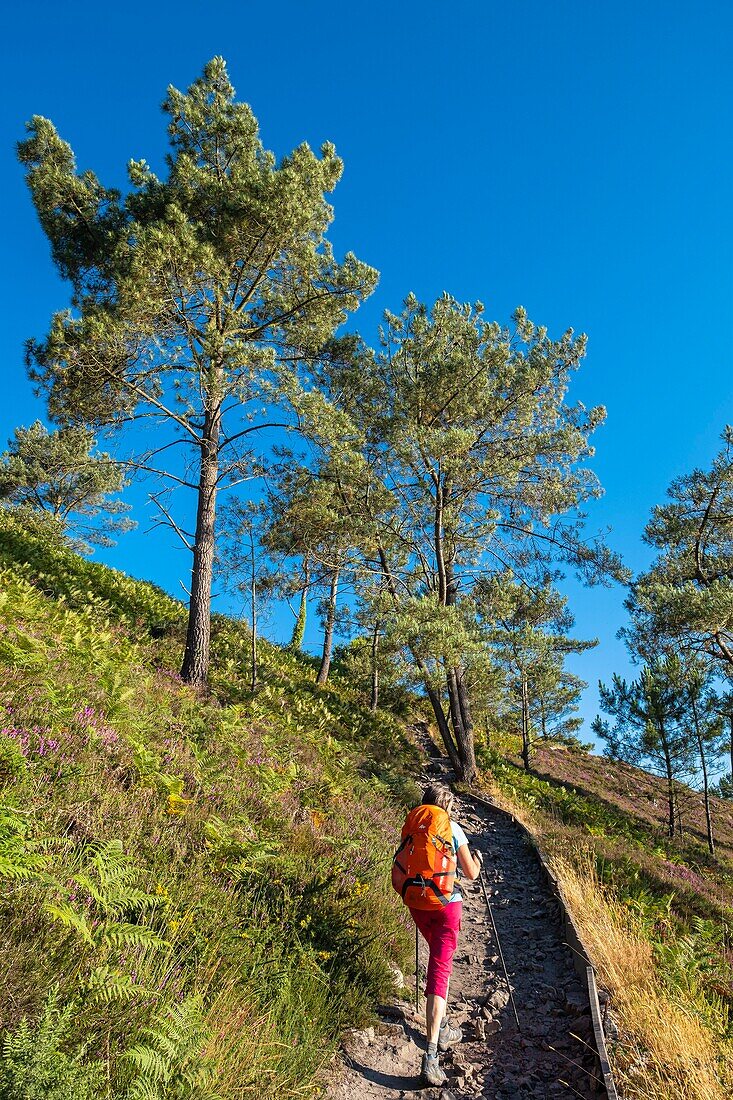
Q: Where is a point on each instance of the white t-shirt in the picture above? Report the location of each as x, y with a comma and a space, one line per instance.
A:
459, 839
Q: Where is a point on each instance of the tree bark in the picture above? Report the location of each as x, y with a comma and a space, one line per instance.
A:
296, 642
705, 783
253, 602
458, 698
443, 724
195, 667
432, 694
328, 633
670, 782
374, 700
678, 811
526, 756
467, 747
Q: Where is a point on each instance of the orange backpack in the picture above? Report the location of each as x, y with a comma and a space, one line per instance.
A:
424, 865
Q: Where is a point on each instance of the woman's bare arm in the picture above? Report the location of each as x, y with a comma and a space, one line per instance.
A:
470, 866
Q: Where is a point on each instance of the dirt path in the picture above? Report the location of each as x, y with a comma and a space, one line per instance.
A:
495, 1060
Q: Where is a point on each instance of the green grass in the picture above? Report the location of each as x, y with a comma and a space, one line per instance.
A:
196, 886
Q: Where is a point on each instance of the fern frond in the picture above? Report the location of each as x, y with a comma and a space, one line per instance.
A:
63, 912
107, 986
171, 1064
131, 935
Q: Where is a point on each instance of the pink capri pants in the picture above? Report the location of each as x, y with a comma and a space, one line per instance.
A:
440, 927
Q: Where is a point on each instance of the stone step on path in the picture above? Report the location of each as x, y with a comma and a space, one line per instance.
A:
548, 1059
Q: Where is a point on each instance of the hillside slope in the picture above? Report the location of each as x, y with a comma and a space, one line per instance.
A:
193, 891
623, 809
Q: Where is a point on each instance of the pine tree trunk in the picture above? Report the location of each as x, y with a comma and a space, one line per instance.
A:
462, 724
443, 725
526, 758
296, 642
670, 784
468, 749
458, 699
374, 700
434, 697
253, 602
195, 667
705, 782
328, 633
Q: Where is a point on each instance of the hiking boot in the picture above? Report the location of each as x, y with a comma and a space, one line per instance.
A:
448, 1035
431, 1073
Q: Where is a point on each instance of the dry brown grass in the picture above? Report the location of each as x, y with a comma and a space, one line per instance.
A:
667, 1049
664, 1051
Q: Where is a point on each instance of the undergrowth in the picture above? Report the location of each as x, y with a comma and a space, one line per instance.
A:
194, 898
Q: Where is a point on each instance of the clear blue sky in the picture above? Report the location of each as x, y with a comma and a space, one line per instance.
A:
573, 157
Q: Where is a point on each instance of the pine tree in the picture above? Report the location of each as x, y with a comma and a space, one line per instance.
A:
687, 595
706, 725
195, 298
319, 516
58, 473
527, 630
648, 724
465, 423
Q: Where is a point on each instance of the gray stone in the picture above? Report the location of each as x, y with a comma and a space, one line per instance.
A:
499, 999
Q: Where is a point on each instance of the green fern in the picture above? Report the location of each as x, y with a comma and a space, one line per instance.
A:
65, 914
171, 1064
19, 855
110, 879
106, 985
131, 935
35, 1066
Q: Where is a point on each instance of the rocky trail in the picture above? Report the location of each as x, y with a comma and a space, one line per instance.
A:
548, 1058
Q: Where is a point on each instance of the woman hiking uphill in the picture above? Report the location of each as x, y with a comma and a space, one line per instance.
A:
433, 847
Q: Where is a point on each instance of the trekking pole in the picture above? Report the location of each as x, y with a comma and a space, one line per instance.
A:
501, 953
417, 985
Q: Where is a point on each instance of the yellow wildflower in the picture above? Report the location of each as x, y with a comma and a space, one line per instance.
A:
178, 805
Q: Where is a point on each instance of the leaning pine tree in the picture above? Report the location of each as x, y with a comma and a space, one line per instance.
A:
466, 426
193, 299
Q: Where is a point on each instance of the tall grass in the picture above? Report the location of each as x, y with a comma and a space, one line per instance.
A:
200, 882
671, 1044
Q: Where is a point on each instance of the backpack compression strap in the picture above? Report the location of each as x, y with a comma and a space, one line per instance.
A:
427, 882
396, 861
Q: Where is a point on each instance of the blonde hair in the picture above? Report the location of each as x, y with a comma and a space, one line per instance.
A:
437, 794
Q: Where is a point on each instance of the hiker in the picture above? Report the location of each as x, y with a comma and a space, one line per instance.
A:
424, 870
